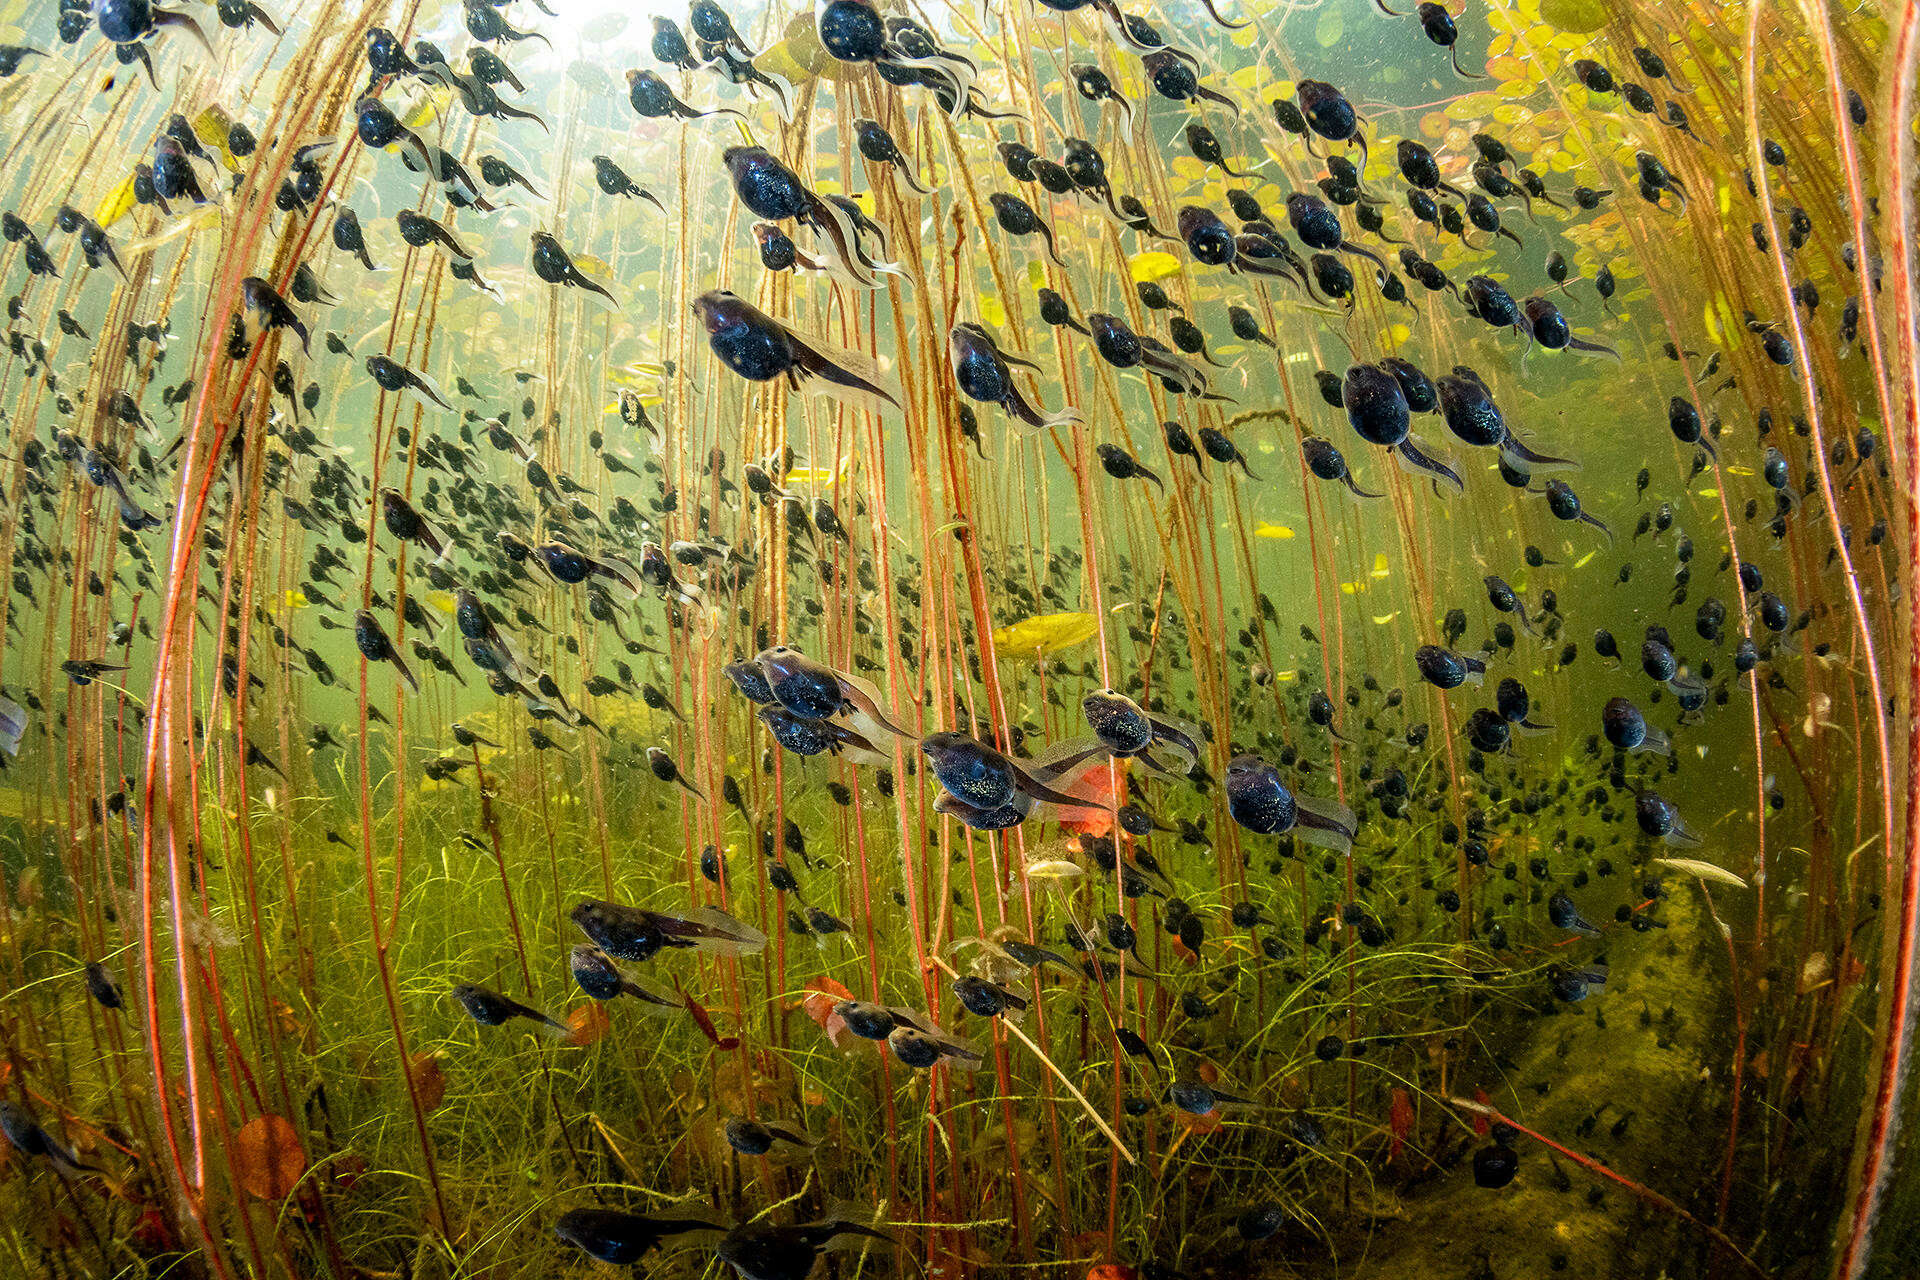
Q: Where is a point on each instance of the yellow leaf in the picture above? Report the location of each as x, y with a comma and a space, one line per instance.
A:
991, 311
1581, 563
1331, 26
819, 475
1054, 869
431, 104
1267, 529
1380, 569
1381, 620
1578, 16
1154, 265
1045, 633
116, 205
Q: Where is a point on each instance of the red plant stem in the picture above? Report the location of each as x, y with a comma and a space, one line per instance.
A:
1803, 364
1897, 988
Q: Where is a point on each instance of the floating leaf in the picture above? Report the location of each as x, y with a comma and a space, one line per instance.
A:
586, 1023
604, 28
1054, 869
116, 205
1154, 265
429, 1081
595, 269
820, 475
1267, 529
1331, 26
212, 126
1097, 818
1045, 633
268, 1158
428, 108
1705, 870
822, 995
1578, 16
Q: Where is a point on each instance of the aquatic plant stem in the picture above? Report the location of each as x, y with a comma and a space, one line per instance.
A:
1897, 963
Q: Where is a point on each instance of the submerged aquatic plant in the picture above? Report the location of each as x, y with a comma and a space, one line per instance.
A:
1158, 708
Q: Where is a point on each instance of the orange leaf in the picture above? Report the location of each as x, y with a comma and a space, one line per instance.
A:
586, 1023
267, 1157
822, 995
1097, 818
429, 1081
1198, 1125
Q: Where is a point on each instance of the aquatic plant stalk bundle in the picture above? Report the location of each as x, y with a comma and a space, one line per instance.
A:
1083, 638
